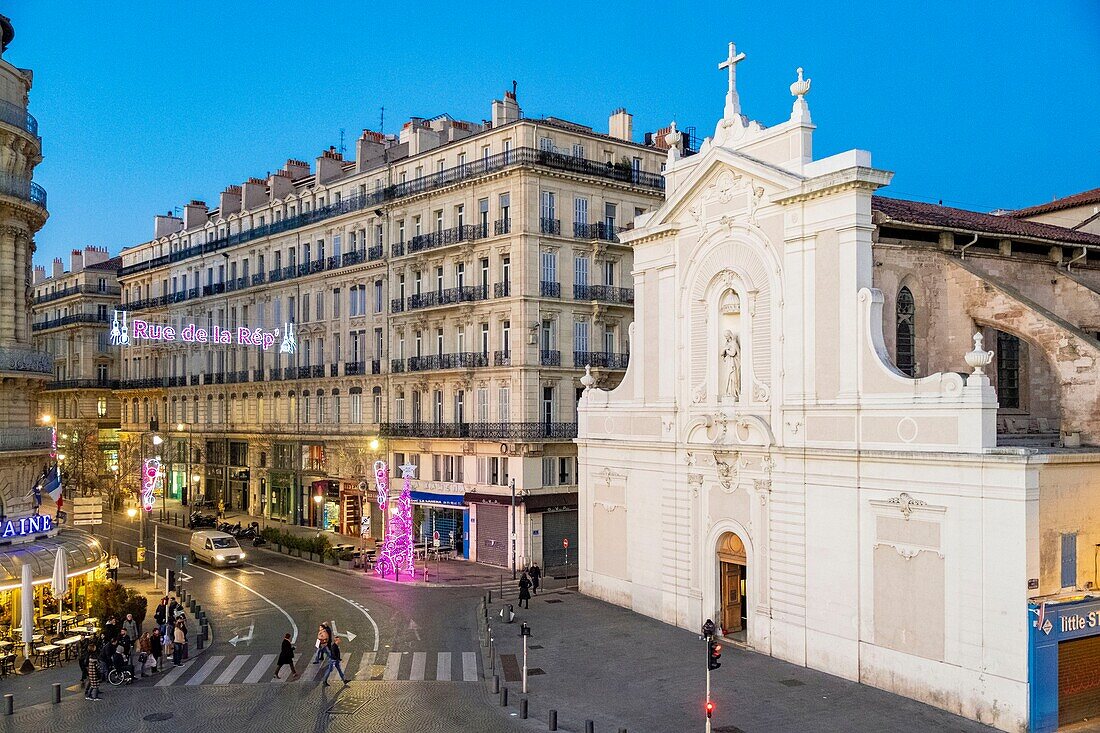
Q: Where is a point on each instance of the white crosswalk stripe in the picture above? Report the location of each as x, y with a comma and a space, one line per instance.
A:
248, 669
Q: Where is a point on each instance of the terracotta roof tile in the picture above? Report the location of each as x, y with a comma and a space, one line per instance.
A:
932, 215
1068, 202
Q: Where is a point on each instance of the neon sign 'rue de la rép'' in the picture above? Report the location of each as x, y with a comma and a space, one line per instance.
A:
125, 334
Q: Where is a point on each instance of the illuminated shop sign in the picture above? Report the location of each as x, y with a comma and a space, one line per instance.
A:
22, 526
123, 333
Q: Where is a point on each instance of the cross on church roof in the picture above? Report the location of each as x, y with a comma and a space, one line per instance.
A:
733, 104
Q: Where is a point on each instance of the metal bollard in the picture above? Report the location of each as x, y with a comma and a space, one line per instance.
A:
56, 692
589, 727
198, 642
496, 684
9, 704
622, 730
553, 720
523, 708
504, 697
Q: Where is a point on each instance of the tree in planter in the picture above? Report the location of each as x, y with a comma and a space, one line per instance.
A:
112, 599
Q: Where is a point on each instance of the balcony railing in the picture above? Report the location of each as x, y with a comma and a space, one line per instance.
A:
106, 292
529, 157
522, 431
605, 359
598, 230
376, 366
502, 290
83, 384
334, 370
397, 366
146, 383
549, 358
22, 188
16, 439
502, 226
15, 359
17, 116
606, 293
549, 290
550, 226
464, 294
257, 375
374, 253
397, 305
464, 233
354, 368
502, 358
460, 360
258, 278
70, 319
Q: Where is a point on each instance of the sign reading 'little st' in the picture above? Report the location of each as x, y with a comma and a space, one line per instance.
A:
193, 334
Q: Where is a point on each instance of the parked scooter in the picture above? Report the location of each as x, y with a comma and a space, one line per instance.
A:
199, 520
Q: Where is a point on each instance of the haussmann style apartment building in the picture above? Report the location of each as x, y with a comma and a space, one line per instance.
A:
433, 302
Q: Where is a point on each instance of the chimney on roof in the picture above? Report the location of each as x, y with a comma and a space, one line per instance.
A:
94, 255
297, 169
195, 214
620, 125
506, 110
58, 267
165, 224
39, 274
279, 186
76, 261
370, 150
329, 165
253, 193
230, 201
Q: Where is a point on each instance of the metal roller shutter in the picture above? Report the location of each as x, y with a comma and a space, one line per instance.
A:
558, 526
492, 534
1078, 680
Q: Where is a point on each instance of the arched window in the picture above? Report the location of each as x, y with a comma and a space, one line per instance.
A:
905, 356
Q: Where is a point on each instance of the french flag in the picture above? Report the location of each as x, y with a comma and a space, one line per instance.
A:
50, 484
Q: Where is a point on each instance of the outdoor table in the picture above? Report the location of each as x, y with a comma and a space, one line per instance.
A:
84, 630
69, 645
50, 652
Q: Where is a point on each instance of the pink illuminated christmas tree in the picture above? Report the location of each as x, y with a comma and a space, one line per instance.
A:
397, 544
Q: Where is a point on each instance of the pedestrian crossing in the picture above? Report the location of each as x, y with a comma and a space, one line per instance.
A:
250, 669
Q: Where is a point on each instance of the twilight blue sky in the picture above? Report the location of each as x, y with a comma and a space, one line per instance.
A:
143, 106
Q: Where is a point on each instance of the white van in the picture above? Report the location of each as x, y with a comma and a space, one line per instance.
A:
216, 548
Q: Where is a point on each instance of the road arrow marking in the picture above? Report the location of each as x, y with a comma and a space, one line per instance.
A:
237, 638
184, 578
414, 628
246, 571
347, 634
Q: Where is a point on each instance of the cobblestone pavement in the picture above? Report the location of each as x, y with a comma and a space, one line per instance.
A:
363, 707
601, 662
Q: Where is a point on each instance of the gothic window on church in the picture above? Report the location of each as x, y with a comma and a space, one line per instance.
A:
905, 355
1008, 370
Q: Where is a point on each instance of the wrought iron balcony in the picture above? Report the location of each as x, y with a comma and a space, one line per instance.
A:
598, 230
70, 319
520, 157
397, 366
605, 359
397, 249
19, 439
258, 278
354, 368
81, 383
549, 290
15, 359
352, 258
549, 358
449, 296
460, 360
376, 366
502, 358
397, 305
257, 375
454, 235
274, 374
605, 293
550, 226
22, 188
334, 370
17, 116
275, 275
502, 290
502, 226
374, 253
193, 379
520, 431
78, 290
146, 383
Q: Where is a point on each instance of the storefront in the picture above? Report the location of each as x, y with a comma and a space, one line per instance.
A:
280, 504
177, 479
1064, 662
238, 489
214, 486
324, 505
444, 514
38, 549
490, 518
552, 519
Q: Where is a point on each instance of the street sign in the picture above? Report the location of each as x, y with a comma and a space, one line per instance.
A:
141, 554
565, 543
87, 510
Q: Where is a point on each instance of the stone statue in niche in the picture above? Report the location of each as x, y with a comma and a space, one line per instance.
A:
731, 358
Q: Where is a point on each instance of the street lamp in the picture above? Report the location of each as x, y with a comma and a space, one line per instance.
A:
374, 444
131, 513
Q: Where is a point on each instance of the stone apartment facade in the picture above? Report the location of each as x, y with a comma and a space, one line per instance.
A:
70, 312
444, 290
25, 443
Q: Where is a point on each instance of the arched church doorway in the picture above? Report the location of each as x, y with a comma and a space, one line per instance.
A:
733, 583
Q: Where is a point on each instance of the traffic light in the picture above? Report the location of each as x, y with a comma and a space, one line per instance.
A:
714, 653
710, 708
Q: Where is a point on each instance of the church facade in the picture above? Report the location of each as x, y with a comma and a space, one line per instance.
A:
808, 447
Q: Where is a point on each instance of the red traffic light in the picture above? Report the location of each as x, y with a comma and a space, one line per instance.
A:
710, 708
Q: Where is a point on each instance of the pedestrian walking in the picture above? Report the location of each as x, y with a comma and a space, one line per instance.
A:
179, 643
286, 656
125, 645
524, 591
112, 567
324, 638
145, 651
91, 691
160, 615
334, 662
156, 649
130, 626
174, 608
536, 577
110, 629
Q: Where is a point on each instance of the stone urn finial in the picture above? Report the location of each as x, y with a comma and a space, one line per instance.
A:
801, 86
978, 359
588, 380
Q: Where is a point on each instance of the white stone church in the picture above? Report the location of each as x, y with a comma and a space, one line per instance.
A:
765, 462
